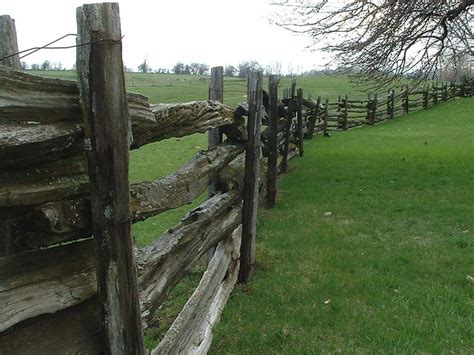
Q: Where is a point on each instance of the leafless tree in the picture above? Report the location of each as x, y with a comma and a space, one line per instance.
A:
144, 67
456, 67
245, 68
383, 40
194, 67
203, 68
178, 68
230, 70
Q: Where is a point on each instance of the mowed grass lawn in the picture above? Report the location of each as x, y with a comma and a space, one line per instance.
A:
386, 271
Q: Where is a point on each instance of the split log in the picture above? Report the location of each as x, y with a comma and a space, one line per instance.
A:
22, 144
217, 306
175, 254
75, 330
54, 105
231, 177
281, 124
56, 180
351, 101
182, 187
26, 97
237, 131
310, 103
178, 120
45, 281
28, 144
60, 221
191, 332
41, 226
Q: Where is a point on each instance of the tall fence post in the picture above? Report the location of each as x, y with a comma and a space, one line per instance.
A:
392, 114
370, 118
345, 114
289, 121
445, 92
391, 104
314, 117
435, 95
9, 43
339, 112
375, 108
426, 97
216, 93
325, 118
272, 141
452, 88
406, 100
106, 121
299, 118
252, 172
462, 89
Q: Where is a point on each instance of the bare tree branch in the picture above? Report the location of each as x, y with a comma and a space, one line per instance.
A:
383, 40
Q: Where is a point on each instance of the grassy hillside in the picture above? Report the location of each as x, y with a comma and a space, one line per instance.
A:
385, 270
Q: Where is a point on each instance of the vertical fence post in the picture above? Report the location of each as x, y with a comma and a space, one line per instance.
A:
374, 108
445, 92
452, 89
339, 113
426, 99
272, 141
314, 117
392, 99
216, 93
370, 103
106, 121
9, 43
345, 114
462, 89
286, 132
391, 104
325, 118
289, 120
299, 117
435, 95
252, 172
406, 100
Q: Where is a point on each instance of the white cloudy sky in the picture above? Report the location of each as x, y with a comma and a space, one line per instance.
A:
216, 32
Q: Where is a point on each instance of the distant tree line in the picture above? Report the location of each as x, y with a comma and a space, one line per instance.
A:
193, 68
452, 68
46, 65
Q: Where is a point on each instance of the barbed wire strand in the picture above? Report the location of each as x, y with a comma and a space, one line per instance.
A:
35, 49
48, 46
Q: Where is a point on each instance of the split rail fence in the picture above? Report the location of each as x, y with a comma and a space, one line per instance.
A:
71, 280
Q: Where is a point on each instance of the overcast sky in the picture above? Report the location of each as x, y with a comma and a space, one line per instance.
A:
216, 32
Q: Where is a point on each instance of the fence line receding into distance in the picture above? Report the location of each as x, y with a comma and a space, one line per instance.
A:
71, 278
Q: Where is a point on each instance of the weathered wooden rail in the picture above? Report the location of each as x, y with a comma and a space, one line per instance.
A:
71, 280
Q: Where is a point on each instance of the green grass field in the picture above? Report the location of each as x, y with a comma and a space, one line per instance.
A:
386, 271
